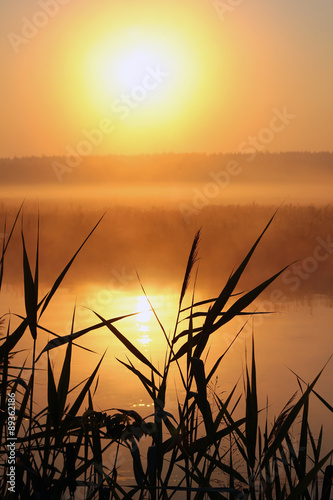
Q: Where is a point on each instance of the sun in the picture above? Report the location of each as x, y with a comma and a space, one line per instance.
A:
125, 68
139, 70
144, 310
153, 76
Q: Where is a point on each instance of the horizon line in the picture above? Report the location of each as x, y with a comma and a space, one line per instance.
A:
170, 153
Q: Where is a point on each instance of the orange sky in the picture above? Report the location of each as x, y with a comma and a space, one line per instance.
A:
150, 76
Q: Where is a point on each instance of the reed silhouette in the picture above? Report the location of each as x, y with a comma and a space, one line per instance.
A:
61, 450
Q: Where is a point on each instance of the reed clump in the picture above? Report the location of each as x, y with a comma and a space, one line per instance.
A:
59, 451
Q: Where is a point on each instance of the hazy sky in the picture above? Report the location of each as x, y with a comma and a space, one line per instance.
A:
154, 76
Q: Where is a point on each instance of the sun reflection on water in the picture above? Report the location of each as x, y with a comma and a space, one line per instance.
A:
142, 405
145, 315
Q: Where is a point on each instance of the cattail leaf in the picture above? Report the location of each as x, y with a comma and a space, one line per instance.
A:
30, 293
246, 300
326, 403
137, 465
200, 340
151, 464
251, 412
96, 443
223, 407
190, 263
144, 380
13, 339
276, 472
303, 441
233, 311
63, 384
4, 381
216, 365
198, 371
52, 344
5, 243
283, 431
286, 467
52, 397
2, 256
232, 281
293, 457
217, 463
198, 329
190, 332
202, 444
301, 487
79, 400
70, 459
127, 344
320, 440
23, 406
65, 270
36, 279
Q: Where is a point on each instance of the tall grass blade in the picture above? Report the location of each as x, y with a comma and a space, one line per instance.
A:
216, 365
326, 403
63, 384
189, 339
304, 483
127, 344
286, 467
30, 293
148, 385
282, 432
2, 256
202, 444
96, 449
22, 410
251, 413
137, 465
223, 407
303, 441
65, 270
201, 339
6, 243
59, 341
190, 263
233, 280
79, 400
198, 371
228, 469
246, 300
52, 397
277, 482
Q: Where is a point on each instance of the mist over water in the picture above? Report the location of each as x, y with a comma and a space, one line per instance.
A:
155, 241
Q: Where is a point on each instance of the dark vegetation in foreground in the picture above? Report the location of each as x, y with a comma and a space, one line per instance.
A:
63, 450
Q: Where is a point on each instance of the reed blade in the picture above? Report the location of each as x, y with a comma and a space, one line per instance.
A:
66, 269
127, 344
